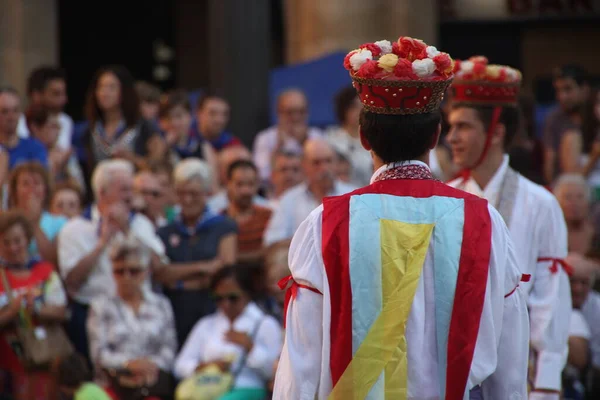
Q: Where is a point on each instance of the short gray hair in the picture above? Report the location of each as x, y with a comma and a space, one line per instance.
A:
105, 172
571, 179
193, 168
130, 249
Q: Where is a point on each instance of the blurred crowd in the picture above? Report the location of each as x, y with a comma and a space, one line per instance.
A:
156, 239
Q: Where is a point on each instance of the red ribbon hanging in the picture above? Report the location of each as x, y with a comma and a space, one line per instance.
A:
291, 292
556, 262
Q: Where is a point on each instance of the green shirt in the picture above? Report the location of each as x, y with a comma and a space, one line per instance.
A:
91, 391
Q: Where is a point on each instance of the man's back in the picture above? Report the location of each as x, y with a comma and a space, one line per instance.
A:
417, 282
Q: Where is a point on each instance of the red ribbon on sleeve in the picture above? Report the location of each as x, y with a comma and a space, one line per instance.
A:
556, 262
292, 292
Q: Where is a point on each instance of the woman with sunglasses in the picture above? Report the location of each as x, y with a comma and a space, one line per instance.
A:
239, 337
132, 333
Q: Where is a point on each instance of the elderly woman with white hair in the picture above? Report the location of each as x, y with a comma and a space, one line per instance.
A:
132, 334
573, 195
198, 244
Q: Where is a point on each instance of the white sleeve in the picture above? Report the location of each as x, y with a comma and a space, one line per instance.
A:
299, 371
262, 155
550, 300
505, 321
73, 245
578, 327
278, 228
267, 346
190, 354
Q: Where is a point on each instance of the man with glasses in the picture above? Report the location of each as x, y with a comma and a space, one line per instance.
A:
289, 134
149, 197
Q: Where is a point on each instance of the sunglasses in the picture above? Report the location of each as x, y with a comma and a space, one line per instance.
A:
130, 271
231, 297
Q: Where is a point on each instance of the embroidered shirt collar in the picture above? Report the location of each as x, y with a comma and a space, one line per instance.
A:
378, 175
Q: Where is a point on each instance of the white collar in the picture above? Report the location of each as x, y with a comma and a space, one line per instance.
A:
392, 165
495, 184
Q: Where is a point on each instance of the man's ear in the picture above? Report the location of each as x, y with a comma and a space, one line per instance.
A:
436, 137
499, 134
363, 141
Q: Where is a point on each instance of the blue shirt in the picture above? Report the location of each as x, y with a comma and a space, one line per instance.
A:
28, 149
51, 226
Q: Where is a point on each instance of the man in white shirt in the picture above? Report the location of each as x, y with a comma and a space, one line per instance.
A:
484, 118
289, 134
47, 86
405, 289
298, 202
84, 241
287, 173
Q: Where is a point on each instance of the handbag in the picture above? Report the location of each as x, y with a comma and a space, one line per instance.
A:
40, 344
126, 388
211, 383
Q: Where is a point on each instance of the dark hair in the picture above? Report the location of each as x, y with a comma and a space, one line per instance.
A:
147, 92
13, 217
572, 71
509, 117
174, 99
343, 102
37, 115
209, 96
32, 167
590, 127
240, 164
129, 97
40, 77
239, 273
9, 89
399, 137
71, 371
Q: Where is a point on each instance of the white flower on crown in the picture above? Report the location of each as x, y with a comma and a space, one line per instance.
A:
432, 51
423, 68
385, 46
359, 58
467, 66
512, 74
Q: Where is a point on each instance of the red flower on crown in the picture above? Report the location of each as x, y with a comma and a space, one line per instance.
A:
373, 48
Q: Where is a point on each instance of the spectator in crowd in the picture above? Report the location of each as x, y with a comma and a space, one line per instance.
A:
574, 373
74, 379
573, 195
345, 138
47, 88
526, 152
45, 127
198, 244
343, 168
149, 96
30, 191
219, 201
572, 89
287, 173
134, 329
150, 197
66, 200
212, 115
297, 203
239, 326
19, 149
163, 171
37, 299
289, 134
182, 141
251, 219
588, 302
82, 244
277, 268
115, 128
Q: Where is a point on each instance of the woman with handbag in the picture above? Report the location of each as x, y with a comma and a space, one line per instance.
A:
32, 306
132, 334
229, 355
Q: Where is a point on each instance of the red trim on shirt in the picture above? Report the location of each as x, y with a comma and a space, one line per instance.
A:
471, 284
556, 262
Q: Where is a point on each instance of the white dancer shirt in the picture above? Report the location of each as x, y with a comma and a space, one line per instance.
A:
538, 230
